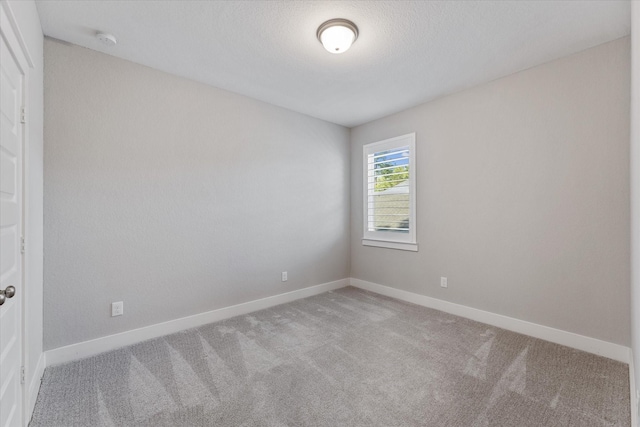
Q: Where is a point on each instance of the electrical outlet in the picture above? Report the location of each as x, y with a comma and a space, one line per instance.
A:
284, 276
443, 282
117, 308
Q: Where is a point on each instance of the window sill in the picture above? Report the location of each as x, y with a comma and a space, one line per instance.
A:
391, 245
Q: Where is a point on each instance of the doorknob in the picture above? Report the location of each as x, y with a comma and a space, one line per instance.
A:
7, 293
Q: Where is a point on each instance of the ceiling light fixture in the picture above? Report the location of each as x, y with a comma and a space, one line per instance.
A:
337, 35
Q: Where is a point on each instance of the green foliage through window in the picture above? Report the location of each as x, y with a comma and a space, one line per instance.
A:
388, 176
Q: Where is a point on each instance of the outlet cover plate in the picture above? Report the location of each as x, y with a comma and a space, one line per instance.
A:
117, 308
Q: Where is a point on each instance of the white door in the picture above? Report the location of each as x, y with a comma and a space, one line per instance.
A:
11, 79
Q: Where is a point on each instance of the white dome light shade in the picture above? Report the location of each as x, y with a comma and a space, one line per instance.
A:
337, 35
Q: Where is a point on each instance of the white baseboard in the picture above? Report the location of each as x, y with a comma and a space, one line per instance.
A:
569, 339
34, 386
633, 400
112, 342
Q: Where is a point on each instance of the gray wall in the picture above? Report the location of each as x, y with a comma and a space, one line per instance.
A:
27, 18
178, 198
522, 196
635, 195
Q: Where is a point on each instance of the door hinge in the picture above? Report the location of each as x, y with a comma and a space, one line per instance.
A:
21, 374
23, 115
22, 245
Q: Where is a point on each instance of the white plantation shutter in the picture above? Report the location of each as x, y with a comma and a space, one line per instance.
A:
388, 190
389, 193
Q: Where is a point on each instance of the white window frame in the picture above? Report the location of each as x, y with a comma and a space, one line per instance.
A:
403, 241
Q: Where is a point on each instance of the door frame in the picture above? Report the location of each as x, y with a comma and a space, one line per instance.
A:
10, 32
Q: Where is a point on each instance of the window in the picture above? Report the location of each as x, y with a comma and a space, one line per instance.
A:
389, 193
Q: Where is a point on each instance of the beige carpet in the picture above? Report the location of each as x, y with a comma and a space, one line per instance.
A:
343, 358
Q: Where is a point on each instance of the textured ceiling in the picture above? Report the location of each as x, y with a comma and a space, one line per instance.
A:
407, 52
